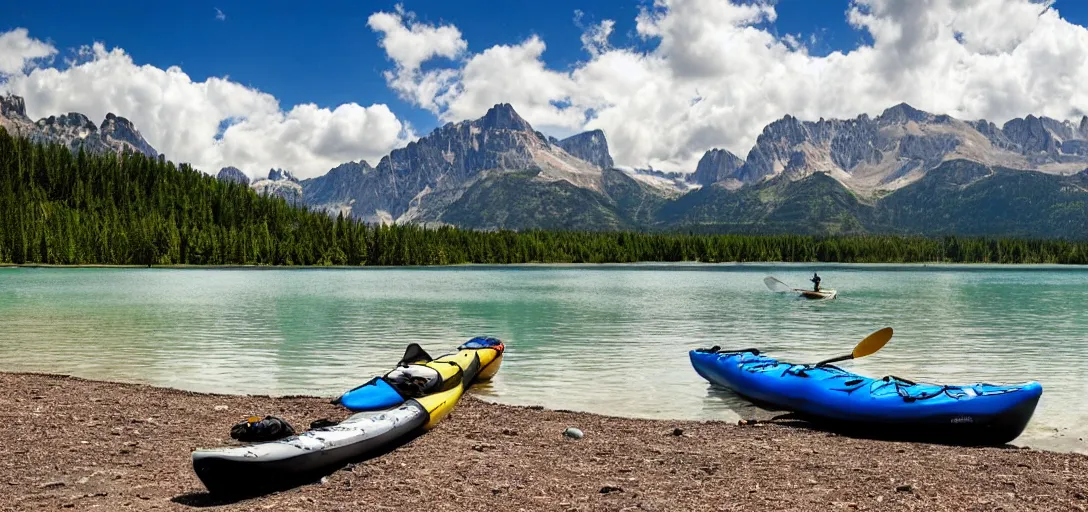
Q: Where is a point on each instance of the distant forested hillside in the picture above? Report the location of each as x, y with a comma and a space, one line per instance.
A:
60, 207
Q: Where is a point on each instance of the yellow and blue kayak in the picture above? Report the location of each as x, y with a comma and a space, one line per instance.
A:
417, 373
425, 391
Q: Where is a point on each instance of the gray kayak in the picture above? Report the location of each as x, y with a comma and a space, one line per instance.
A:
294, 459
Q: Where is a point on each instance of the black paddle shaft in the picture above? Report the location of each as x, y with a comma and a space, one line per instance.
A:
835, 359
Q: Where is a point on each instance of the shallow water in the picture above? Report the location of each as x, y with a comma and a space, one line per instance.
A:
611, 339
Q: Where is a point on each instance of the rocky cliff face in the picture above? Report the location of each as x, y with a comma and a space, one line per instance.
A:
74, 130
12, 107
589, 146
280, 183
1043, 140
415, 182
336, 191
232, 174
13, 116
119, 132
897, 148
718, 165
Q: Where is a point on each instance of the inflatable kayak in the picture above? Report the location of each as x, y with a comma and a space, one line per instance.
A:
479, 357
426, 390
891, 407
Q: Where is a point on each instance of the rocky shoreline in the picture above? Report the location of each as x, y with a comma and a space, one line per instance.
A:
90, 445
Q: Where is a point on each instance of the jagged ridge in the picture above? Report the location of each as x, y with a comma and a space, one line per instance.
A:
74, 130
897, 148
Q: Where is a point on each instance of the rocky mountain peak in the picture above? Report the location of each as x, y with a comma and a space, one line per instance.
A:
70, 122
717, 165
281, 175
902, 114
121, 132
12, 106
590, 146
362, 166
232, 174
73, 130
503, 117
415, 182
1031, 134
280, 183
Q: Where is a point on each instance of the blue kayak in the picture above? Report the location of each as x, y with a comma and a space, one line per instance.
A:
890, 408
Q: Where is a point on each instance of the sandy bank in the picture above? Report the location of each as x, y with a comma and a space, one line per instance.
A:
88, 445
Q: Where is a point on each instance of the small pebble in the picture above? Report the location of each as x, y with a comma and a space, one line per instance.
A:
220, 407
904, 488
609, 489
677, 431
573, 433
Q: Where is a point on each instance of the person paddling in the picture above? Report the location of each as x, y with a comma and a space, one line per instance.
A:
816, 281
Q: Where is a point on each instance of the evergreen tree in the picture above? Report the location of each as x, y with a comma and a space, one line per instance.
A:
57, 207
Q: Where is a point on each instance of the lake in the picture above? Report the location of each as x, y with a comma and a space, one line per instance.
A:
612, 339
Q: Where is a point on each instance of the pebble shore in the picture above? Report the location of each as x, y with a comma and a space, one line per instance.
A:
75, 444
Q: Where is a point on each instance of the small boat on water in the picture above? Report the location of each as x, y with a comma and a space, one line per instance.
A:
778, 286
886, 408
818, 295
412, 398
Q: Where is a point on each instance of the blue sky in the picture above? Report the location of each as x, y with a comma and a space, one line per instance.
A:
702, 74
324, 53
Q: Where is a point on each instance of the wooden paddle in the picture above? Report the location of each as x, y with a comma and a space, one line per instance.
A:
868, 346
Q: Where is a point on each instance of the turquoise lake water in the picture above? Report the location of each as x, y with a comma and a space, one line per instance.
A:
609, 339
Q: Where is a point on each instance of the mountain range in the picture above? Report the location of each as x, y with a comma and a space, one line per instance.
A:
74, 130
905, 171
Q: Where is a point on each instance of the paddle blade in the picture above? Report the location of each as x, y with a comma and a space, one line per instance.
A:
775, 285
872, 343
868, 346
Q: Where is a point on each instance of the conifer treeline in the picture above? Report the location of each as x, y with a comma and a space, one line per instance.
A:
60, 208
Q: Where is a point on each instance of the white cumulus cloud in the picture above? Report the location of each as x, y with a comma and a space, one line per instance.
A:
182, 117
18, 51
409, 44
716, 73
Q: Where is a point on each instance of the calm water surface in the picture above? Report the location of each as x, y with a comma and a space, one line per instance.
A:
608, 339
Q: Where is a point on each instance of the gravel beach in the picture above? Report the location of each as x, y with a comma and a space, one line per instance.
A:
75, 444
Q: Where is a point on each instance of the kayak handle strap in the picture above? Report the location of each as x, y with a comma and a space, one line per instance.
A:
890, 378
